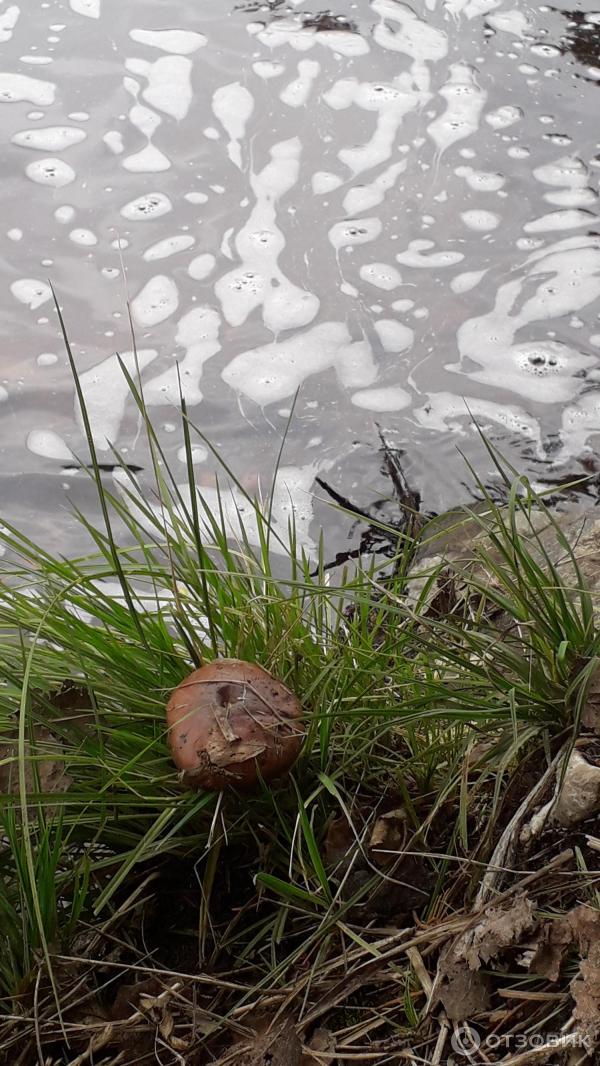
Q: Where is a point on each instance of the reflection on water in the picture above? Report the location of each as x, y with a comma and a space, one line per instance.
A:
391, 208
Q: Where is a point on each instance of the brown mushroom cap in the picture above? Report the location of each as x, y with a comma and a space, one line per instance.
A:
230, 722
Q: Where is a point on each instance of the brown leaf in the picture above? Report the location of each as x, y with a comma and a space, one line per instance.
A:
339, 841
554, 941
498, 929
389, 834
322, 1041
462, 992
274, 1044
585, 989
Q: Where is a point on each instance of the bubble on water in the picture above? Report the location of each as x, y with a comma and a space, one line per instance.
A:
297, 92
518, 151
106, 393
52, 172
560, 220
414, 37
273, 372
354, 232
504, 116
265, 69
169, 86
156, 301
514, 22
89, 8
31, 291
79, 116
150, 205
466, 281
415, 256
202, 266
481, 180
547, 51
196, 197
233, 105
49, 445
15, 234
198, 454
149, 160
387, 399
84, 237
366, 197
381, 275
47, 359
64, 214
113, 139
480, 221
8, 21
323, 182
465, 102
168, 246
49, 138
177, 42
394, 335
15, 88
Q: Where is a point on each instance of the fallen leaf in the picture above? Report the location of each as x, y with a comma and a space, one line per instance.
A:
554, 941
498, 929
323, 1042
275, 1044
462, 992
585, 989
339, 841
389, 833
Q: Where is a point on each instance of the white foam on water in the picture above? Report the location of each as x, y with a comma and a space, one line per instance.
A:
15, 88
273, 372
39, 61
415, 256
480, 221
259, 280
444, 411
388, 399
567, 276
365, 197
198, 334
293, 33
560, 220
8, 21
113, 139
84, 237
49, 138
177, 42
3, 394
14, 234
89, 8
465, 101
390, 101
471, 8
156, 301
580, 422
169, 87
149, 160
106, 392
198, 454
180, 242
47, 359
481, 180
572, 197
515, 22
504, 116
266, 69
354, 231
569, 171
50, 445
394, 335
467, 281
233, 105
196, 197
150, 205
53, 172
297, 92
31, 291
413, 37
202, 266
382, 275
323, 182
64, 214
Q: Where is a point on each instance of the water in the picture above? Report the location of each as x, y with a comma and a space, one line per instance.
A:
392, 208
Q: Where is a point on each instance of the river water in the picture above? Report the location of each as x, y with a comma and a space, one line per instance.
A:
390, 207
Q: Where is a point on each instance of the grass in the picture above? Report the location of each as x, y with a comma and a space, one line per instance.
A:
435, 707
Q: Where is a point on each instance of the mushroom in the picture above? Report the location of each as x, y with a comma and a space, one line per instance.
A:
231, 723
